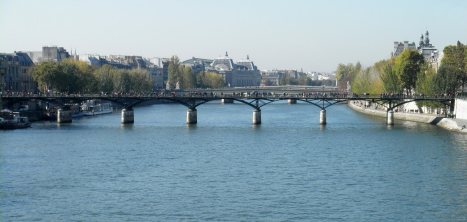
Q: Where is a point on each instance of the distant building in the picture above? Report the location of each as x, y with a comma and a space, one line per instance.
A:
14, 69
53, 53
425, 48
270, 77
242, 73
399, 47
429, 52
198, 64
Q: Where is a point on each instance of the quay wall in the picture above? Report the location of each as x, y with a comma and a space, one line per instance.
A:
430, 119
460, 108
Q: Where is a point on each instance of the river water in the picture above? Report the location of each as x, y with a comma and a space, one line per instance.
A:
225, 169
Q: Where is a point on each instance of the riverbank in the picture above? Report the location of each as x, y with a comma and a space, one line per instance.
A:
446, 123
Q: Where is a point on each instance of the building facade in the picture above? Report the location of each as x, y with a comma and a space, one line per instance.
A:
399, 47
15, 75
431, 54
240, 74
53, 53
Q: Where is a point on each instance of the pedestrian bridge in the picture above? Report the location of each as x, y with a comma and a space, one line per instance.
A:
192, 100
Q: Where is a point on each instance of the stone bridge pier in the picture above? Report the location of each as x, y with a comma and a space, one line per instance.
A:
257, 116
322, 117
191, 116
128, 116
390, 117
64, 116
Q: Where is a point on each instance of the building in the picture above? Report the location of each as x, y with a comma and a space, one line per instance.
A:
429, 52
53, 53
14, 69
399, 47
270, 77
242, 73
197, 64
425, 48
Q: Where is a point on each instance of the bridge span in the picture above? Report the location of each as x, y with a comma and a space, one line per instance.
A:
255, 100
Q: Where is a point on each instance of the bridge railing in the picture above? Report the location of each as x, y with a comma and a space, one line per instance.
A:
317, 95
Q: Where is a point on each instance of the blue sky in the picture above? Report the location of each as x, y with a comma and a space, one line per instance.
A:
311, 35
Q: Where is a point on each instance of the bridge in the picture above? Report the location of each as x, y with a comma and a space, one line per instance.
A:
253, 99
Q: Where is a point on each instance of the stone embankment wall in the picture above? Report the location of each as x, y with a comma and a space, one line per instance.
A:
460, 108
422, 118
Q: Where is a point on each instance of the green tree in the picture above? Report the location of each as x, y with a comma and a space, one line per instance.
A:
105, 79
390, 81
189, 81
446, 80
210, 80
283, 80
45, 75
455, 62
425, 83
175, 72
345, 73
200, 79
304, 81
407, 67
67, 76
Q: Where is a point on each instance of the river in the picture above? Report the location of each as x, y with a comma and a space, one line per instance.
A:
290, 168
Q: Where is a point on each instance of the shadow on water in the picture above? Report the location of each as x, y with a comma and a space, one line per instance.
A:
256, 126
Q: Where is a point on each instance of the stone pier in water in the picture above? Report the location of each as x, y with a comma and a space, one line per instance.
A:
128, 116
256, 116
191, 116
64, 116
322, 117
390, 117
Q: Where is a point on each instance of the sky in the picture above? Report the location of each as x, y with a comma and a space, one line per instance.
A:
313, 35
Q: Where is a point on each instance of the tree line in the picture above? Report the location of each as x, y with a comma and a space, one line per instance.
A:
72, 76
409, 73
186, 78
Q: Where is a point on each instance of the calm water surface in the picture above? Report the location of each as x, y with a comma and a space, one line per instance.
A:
225, 169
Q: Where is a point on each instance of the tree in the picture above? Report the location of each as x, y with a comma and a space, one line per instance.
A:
455, 61
175, 73
345, 73
367, 81
390, 81
210, 80
283, 80
105, 79
446, 80
189, 81
425, 83
304, 81
67, 76
45, 75
407, 67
